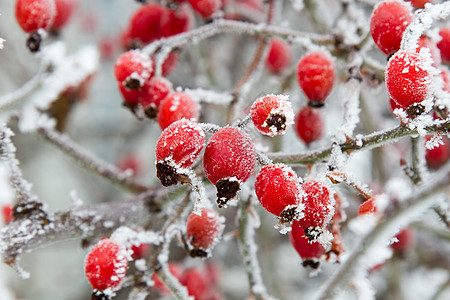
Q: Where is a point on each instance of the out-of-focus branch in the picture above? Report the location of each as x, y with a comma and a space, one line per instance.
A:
369, 141
91, 162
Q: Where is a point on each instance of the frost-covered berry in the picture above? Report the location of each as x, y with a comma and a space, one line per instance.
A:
140, 251
174, 269
177, 147
315, 75
272, 114
405, 240
196, 283
204, 231
444, 44
33, 15
279, 57
438, 155
318, 208
205, 8
131, 70
145, 23
153, 93
106, 265
64, 10
228, 162
176, 106
419, 3
277, 188
309, 124
408, 78
388, 21
309, 251
176, 21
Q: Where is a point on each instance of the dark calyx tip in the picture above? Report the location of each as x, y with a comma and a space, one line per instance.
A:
166, 173
314, 264
34, 42
277, 120
132, 83
316, 104
99, 295
288, 214
313, 232
226, 190
198, 253
151, 111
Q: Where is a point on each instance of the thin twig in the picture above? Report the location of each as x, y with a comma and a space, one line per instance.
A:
91, 162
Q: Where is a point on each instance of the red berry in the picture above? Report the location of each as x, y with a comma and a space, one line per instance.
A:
309, 124
272, 114
204, 231
405, 241
277, 187
64, 10
279, 56
144, 26
106, 265
445, 74
35, 14
176, 106
439, 155
196, 283
228, 161
426, 42
141, 251
368, 207
315, 75
130, 161
408, 78
153, 92
169, 63
205, 8
419, 3
176, 21
7, 213
318, 205
174, 269
444, 44
309, 251
388, 21
178, 146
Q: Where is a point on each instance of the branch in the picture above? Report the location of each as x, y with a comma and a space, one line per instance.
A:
373, 140
91, 162
421, 200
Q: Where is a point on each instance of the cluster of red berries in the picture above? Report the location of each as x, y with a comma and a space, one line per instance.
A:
33, 15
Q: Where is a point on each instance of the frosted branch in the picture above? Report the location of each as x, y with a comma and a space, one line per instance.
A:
91, 162
422, 199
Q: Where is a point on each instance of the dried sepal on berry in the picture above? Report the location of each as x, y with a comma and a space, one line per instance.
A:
278, 190
106, 265
272, 114
204, 231
388, 21
318, 209
228, 162
177, 148
311, 252
315, 76
408, 78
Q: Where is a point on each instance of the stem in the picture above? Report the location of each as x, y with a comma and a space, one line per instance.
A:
91, 162
369, 141
416, 204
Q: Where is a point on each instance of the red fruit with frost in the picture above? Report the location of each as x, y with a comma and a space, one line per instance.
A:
144, 26
169, 63
153, 93
176, 106
106, 265
388, 21
408, 78
318, 205
309, 124
444, 44
279, 57
205, 8
419, 3
7, 213
277, 188
315, 75
272, 114
439, 155
203, 231
64, 10
196, 283
176, 21
309, 251
405, 241
174, 269
426, 42
368, 207
228, 161
177, 147
140, 251
35, 14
